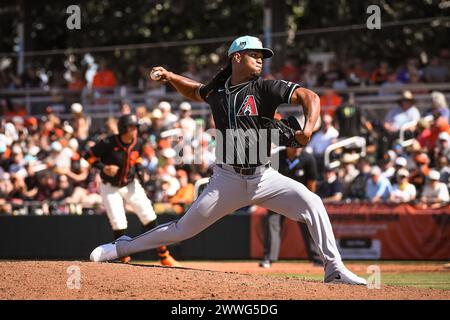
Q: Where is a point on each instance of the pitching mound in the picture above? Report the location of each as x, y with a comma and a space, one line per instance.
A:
58, 280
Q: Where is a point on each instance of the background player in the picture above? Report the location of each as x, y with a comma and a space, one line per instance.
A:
301, 166
240, 100
118, 159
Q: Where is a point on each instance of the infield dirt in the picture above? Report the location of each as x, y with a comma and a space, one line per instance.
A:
196, 280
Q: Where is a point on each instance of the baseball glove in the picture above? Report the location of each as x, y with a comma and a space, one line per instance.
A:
286, 129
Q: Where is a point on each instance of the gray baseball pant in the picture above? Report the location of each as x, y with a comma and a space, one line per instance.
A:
229, 191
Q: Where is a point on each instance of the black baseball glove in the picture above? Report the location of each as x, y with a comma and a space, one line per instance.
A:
286, 129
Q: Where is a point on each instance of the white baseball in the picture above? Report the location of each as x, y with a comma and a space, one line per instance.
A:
155, 75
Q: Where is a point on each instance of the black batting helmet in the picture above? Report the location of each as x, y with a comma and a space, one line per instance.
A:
125, 121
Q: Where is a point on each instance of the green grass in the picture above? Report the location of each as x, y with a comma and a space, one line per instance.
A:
428, 280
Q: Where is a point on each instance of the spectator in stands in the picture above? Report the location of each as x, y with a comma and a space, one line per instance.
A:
333, 77
348, 172
350, 120
435, 71
76, 82
356, 74
380, 74
405, 73
186, 123
400, 163
418, 176
184, 195
329, 102
387, 164
104, 79
378, 188
63, 189
80, 122
403, 191
391, 85
435, 193
439, 107
30, 78
402, 114
330, 189
444, 170
169, 119
442, 148
423, 133
157, 126
439, 126
327, 135
357, 189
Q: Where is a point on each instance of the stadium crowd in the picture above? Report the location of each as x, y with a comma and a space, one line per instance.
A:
42, 169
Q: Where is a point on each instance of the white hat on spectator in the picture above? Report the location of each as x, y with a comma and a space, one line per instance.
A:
400, 161
438, 99
350, 157
165, 106
34, 150
407, 95
186, 106
156, 114
376, 171
56, 146
434, 175
76, 107
168, 153
403, 173
16, 149
444, 136
73, 144
68, 128
17, 119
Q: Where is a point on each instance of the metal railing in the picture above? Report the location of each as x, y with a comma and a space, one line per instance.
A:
359, 142
103, 104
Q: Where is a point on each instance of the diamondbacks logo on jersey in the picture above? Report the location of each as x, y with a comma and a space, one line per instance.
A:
248, 107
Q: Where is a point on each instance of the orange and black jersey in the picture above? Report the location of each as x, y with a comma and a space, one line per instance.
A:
112, 151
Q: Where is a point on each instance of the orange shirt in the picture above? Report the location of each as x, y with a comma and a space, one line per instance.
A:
104, 79
184, 195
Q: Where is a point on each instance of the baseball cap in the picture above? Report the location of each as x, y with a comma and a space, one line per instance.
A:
186, 106
156, 114
168, 153
56, 146
400, 161
164, 105
403, 173
434, 175
444, 136
76, 107
376, 171
407, 95
249, 43
438, 98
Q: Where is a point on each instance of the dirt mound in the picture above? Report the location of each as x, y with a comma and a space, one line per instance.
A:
53, 280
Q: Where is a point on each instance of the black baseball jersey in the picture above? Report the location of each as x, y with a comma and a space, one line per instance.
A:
112, 151
238, 113
302, 168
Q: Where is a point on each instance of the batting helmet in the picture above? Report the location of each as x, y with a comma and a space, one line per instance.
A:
125, 121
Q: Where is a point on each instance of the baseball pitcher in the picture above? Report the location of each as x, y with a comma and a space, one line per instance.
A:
243, 107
